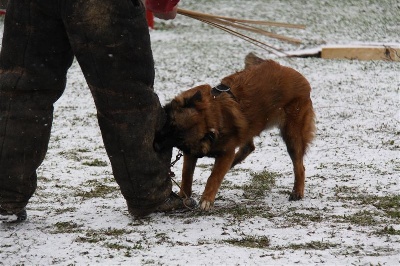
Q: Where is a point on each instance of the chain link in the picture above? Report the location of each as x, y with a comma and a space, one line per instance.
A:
177, 158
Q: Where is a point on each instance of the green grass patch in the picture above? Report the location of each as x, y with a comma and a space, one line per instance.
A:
90, 237
313, 245
389, 205
117, 246
71, 155
250, 242
261, 183
305, 219
237, 212
388, 230
66, 227
94, 236
64, 210
115, 232
110, 238
361, 218
98, 190
95, 162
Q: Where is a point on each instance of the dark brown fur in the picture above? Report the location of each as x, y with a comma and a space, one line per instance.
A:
266, 95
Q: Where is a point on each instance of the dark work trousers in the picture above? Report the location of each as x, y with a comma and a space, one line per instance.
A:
111, 43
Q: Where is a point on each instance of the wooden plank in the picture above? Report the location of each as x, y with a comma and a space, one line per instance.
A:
362, 53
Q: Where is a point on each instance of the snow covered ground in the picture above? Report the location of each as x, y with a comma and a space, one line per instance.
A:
351, 211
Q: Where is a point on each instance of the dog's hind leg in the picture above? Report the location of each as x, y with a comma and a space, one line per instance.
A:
297, 132
243, 152
189, 164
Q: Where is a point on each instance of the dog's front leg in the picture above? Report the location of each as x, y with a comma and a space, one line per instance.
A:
221, 167
189, 164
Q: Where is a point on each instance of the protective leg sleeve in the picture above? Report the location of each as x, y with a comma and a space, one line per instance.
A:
111, 42
34, 60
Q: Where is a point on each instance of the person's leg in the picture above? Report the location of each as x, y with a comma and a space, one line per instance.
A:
111, 42
34, 60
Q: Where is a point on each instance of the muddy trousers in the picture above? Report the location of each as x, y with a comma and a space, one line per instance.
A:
111, 43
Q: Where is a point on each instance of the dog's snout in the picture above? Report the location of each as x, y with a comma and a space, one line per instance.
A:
163, 141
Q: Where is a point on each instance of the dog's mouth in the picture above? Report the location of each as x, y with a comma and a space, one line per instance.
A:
168, 143
164, 141
185, 149
193, 152
172, 138
199, 149
160, 146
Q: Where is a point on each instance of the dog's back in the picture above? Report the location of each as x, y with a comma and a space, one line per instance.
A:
267, 89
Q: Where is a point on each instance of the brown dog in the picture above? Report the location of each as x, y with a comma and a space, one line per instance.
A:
213, 122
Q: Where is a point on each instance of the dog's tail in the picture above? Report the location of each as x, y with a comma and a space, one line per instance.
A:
252, 60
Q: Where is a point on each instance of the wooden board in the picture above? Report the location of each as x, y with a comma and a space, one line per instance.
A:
362, 53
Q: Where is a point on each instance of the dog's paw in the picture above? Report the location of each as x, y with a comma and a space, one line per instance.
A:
295, 196
206, 205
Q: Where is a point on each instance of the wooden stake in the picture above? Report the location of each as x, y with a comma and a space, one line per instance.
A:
362, 53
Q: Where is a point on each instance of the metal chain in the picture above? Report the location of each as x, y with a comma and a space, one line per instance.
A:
172, 174
177, 158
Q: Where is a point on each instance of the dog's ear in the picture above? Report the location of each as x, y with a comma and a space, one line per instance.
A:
165, 136
252, 60
191, 102
170, 107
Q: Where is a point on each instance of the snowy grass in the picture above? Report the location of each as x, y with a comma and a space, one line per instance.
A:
351, 211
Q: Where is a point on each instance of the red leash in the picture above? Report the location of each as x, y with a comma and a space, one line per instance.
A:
150, 19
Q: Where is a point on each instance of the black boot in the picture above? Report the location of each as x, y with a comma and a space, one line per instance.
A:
175, 202
8, 217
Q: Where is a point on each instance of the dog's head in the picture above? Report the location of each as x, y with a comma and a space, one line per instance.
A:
188, 127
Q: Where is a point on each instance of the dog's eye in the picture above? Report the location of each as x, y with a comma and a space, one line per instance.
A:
210, 136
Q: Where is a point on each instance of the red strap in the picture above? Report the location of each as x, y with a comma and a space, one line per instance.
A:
150, 19
161, 6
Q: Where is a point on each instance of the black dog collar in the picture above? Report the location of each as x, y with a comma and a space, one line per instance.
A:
217, 90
